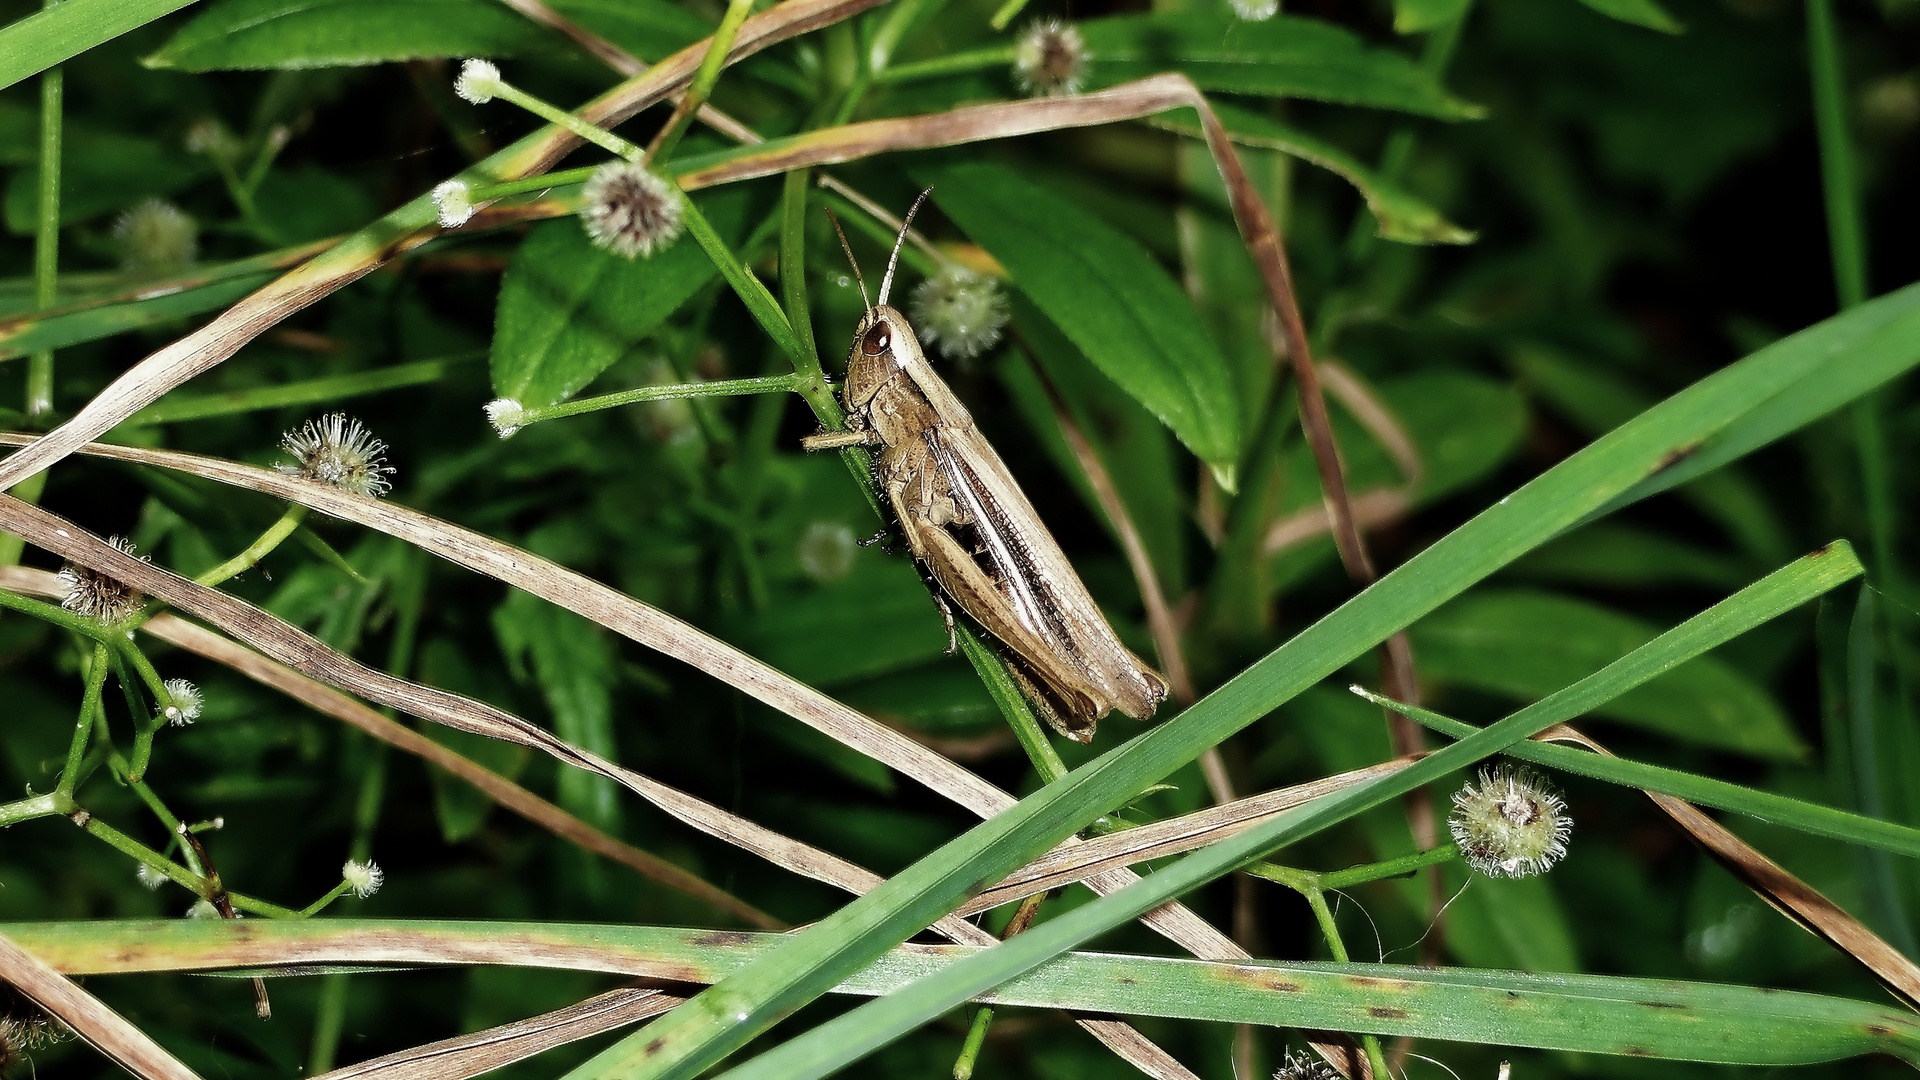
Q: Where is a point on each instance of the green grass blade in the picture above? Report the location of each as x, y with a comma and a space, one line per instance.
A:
1764, 805
66, 30
845, 1039
1884, 333
1583, 1013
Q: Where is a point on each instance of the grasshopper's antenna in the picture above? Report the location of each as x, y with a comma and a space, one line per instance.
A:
886, 283
851, 261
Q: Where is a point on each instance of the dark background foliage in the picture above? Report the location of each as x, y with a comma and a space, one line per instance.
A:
1648, 209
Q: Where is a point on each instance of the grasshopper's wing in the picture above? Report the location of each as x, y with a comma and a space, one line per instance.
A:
1036, 579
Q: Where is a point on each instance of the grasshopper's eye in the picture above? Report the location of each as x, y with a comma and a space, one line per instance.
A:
877, 339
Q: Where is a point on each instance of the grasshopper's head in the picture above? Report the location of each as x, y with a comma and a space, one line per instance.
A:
883, 341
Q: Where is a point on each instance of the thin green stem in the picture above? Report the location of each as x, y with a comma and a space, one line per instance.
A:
793, 287
1845, 232
703, 83
760, 302
83, 727
976, 1038
1013, 704
46, 240
587, 130
246, 560
955, 64
320, 905
1313, 887
538, 182
763, 384
1007, 13
30, 809
307, 391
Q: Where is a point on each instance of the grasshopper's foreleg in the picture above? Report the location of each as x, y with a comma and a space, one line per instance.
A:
836, 440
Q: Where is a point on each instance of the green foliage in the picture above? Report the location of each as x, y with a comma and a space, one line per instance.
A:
1531, 241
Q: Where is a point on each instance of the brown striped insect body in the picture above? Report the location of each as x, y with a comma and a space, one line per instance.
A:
975, 533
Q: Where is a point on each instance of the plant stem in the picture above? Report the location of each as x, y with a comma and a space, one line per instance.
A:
46, 241
703, 81
763, 384
83, 727
760, 303
272, 538
38, 806
1013, 705
1846, 236
587, 130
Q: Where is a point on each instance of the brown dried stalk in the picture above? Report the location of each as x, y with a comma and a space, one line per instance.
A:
330, 702
1792, 897
497, 1047
106, 1030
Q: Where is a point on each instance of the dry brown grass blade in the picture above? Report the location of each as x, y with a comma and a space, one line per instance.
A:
106, 1030
330, 702
1792, 897
398, 232
302, 652
1172, 836
497, 1047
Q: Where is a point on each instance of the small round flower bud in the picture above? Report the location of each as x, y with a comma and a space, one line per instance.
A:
1511, 824
1050, 59
184, 706
453, 201
211, 137
506, 415
98, 596
150, 877
338, 451
203, 909
479, 81
826, 551
961, 312
1297, 1066
629, 211
156, 238
1255, 10
363, 878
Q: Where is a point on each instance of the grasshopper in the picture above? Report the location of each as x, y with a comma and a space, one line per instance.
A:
973, 531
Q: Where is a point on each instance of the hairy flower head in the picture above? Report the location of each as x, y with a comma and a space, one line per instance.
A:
363, 878
150, 877
453, 201
960, 311
1050, 59
479, 81
1255, 10
156, 237
339, 451
183, 704
629, 211
1298, 1066
506, 415
1512, 823
99, 596
826, 550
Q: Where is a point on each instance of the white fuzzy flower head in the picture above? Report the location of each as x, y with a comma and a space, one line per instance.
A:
826, 551
959, 311
211, 137
150, 877
25, 1027
156, 237
363, 878
630, 211
339, 451
1255, 10
203, 909
453, 201
506, 415
183, 706
1299, 1066
1511, 824
98, 596
1050, 59
479, 81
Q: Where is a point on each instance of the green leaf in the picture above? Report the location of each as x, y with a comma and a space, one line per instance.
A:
1777, 809
874, 621
964, 863
1663, 1018
251, 34
66, 30
101, 171
1647, 13
1526, 644
1107, 295
1610, 553
574, 664
1285, 56
1400, 214
1885, 332
568, 310
1419, 16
